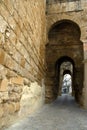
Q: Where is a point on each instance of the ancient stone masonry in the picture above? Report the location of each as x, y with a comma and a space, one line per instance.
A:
63, 46
22, 41
37, 39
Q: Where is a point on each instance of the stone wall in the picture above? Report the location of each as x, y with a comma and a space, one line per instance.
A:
76, 12
22, 40
69, 11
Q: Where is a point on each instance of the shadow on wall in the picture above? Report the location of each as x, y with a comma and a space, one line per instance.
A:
64, 46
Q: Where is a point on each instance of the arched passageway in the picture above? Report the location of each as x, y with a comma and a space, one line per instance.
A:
64, 66
64, 55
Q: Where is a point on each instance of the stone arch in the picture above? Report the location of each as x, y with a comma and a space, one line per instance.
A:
68, 21
76, 22
64, 59
77, 18
64, 46
68, 68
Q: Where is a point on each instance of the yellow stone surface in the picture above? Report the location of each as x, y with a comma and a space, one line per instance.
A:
2, 56
4, 85
1, 111
17, 80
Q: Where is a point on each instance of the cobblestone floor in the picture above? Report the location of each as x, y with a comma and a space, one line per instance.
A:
63, 114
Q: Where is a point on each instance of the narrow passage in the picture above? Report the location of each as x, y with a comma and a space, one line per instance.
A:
63, 114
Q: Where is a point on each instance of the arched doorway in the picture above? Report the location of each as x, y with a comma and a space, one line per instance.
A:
64, 54
64, 66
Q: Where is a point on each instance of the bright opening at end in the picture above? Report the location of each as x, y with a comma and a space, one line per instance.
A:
67, 84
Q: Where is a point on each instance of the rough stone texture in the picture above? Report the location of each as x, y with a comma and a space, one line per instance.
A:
4, 85
22, 52
22, 41
56, 12
55, 116
30, 96
64, 45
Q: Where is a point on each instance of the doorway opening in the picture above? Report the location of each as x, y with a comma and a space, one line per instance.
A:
67, 84
64, 55
65, 76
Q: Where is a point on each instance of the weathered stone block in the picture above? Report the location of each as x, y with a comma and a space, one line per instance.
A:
17, 80
9, 62
4, 85
14, 97
4, 97
20, 57
9, 108
17, 106
17, 89
2, 56
23, 62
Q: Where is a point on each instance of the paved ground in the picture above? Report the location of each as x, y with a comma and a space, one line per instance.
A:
63, 114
